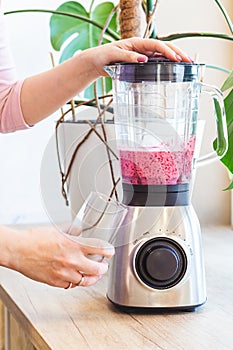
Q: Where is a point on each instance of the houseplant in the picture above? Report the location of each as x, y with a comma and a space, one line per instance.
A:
73, 22
62, 29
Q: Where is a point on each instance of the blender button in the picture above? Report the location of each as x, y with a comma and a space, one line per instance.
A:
162, 264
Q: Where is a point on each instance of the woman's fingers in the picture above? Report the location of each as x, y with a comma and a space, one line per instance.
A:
46, 255
84, 281
92, 267
180, 52
83, 262
136, 50
88, 274
93, 246
84, 272
96, 246
150, 47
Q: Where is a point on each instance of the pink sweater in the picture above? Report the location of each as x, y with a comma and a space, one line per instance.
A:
11, 117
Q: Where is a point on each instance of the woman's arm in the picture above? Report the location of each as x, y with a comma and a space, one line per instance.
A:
11, 117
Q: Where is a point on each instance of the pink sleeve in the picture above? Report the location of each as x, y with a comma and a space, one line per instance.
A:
11, 117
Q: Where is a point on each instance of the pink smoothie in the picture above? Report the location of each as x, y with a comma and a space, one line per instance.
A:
157, 167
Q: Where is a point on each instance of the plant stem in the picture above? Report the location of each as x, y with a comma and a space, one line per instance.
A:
91, 5
176, 36
225, 14
225, 70
113, 34
150, 7
106, 24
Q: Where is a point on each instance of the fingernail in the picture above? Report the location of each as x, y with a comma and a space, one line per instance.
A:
190, 59
179, 58
142, 59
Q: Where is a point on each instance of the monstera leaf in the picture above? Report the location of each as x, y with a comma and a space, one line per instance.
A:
79, 29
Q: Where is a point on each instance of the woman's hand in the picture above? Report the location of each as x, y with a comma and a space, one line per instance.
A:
59, 85
134, 50
46, 255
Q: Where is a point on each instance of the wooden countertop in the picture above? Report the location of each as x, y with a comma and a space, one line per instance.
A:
82, 318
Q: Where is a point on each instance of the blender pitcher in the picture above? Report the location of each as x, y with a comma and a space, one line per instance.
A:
156, 110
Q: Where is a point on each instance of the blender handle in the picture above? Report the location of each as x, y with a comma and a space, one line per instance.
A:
222, 137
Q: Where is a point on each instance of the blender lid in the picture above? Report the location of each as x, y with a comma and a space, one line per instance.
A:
159, 69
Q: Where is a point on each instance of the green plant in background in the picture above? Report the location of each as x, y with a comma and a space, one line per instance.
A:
84, 31
74, 28
227, 160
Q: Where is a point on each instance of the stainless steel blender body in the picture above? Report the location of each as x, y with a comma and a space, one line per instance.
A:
159, 260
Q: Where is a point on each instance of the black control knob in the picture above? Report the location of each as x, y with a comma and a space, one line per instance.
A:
161, 263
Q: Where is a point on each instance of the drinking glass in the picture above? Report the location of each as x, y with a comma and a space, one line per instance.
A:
99, 218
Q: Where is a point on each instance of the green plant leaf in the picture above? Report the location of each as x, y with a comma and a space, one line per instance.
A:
80, 31
101, 13
230, 187
221, 141
228, 82
71, 48
89, 91
227, 159
62, 27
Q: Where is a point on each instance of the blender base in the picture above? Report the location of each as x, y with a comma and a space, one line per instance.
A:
158, 264
155, 310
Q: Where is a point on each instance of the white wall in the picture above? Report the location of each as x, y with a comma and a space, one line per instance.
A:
21, 153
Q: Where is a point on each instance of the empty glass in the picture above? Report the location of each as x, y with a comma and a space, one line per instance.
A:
99, 218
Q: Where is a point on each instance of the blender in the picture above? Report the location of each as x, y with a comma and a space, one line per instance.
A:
159, 262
